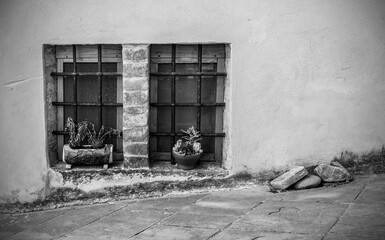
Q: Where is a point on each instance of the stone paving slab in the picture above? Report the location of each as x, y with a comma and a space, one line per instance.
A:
119, 225
169, 204
199, 220
372, 194
257, 193
361, 219
178, 233
248, 235
230, 202
67, 222
291, 217
376, 235
12, 224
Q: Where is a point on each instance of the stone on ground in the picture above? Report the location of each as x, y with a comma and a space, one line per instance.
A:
310, 181
332, 173
289, 178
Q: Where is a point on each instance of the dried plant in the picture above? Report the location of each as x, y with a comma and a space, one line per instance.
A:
85, 130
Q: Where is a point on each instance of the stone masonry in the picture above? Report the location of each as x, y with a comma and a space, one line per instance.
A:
50, 84
135, 105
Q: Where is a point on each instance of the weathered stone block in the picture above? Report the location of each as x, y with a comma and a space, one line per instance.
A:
310, 181
135, 134
135, 69
289, 178
136, 148
136, 162
135, 120
135, 110
135, 53
139, 83
135, 98
49, 56
329, 173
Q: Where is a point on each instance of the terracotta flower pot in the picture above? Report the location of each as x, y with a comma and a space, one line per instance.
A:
186, 162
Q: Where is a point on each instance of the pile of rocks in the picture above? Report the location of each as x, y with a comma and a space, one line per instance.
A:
299, 177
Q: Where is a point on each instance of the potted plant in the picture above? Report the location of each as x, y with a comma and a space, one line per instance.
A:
188, 151
86, 145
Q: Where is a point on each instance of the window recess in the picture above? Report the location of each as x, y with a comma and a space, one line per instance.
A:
187, 89
89, 87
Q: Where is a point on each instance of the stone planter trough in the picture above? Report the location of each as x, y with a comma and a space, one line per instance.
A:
88, 156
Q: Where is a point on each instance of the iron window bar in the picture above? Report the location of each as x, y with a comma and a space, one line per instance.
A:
199, 73
100, 77
173, 134
75, 82
73, 74
173, 69
56, 132
87, 104
199, 85
187, 104
60, 132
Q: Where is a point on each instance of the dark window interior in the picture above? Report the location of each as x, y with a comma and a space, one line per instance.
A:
181, 97
89, 88
88, 92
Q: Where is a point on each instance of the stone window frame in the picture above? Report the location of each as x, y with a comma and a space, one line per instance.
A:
135, 77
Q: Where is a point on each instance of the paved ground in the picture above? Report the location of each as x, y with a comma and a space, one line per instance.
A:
351, 211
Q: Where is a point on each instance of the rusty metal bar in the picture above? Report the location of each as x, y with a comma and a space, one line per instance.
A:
199, 86
199, 73
67, 133
75, 83
60, 133
167, 160
100, 85
87, 104
181, 134
173, 69
187, 104
72, 74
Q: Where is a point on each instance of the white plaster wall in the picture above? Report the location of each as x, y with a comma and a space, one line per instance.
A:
307, 77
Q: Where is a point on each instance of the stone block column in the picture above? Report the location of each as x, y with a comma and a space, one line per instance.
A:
50, 95
136, 105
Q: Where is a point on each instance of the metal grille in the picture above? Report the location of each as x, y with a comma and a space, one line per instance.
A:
74, 75
173, 104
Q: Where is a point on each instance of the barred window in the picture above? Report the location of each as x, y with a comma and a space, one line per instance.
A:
89, 87
187, 89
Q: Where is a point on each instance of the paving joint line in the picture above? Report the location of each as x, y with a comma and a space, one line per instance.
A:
343, 213
64, 235
36, 224
161, 220
239, 218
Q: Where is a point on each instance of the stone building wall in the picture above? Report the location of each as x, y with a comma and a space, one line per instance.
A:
306, 78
